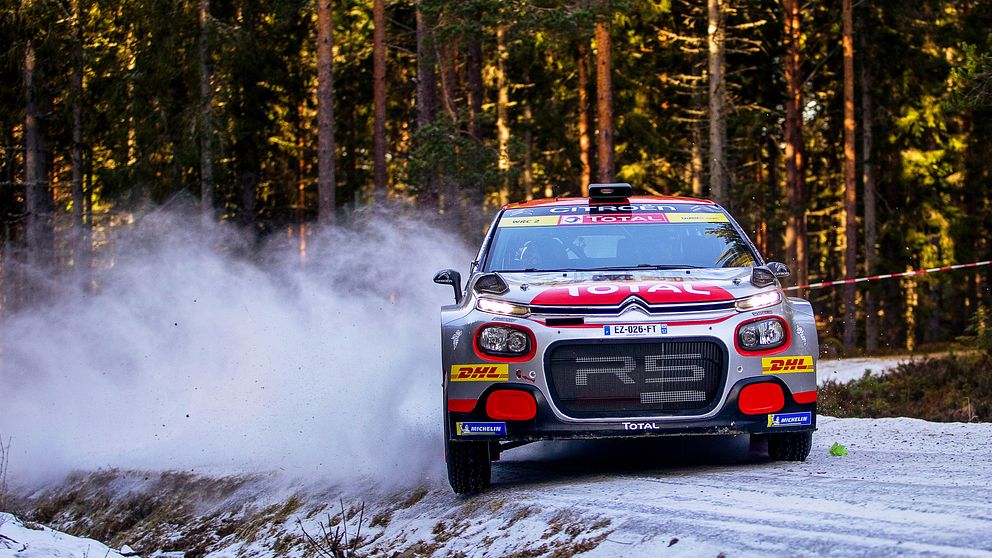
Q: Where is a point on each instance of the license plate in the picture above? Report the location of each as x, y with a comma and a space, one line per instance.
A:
634, 330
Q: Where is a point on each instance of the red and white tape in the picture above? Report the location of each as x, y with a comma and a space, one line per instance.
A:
887, 276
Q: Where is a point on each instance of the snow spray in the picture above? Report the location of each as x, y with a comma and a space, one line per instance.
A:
192, 355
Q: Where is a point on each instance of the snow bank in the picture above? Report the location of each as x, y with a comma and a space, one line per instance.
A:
18, 540
843, 370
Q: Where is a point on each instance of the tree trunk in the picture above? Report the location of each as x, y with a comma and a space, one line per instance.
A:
696, 167
769, 213
80, 249
761, 227
503, 115
910, 300
131, 148
326, 181
476, 195
585, 154
88, 193
379, 98
426, 101
868, 179
426, 73
206, 116
795, 182
850, 184
528, 174
716, 37
247, 139
446, 61
301, 176
604, 98
37, 197
473, 67
249, 164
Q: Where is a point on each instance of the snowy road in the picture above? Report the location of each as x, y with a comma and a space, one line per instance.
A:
908, 487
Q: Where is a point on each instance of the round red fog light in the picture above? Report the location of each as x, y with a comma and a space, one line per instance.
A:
511, 404
760, 399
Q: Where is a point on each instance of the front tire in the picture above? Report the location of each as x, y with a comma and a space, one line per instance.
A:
469, 466
790, 446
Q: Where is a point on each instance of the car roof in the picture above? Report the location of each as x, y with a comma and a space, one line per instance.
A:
626, 201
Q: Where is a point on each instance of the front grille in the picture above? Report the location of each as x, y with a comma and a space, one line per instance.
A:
636, 378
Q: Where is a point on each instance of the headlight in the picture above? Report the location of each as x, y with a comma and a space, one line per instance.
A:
759, 301
497, 340
500, 307
761, 335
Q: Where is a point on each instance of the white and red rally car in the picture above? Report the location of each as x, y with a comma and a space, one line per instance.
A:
621, 316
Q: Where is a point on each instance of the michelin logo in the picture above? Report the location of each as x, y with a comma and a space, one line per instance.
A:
791, 419
480, 428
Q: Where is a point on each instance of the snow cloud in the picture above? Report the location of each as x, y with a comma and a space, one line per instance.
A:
200, 352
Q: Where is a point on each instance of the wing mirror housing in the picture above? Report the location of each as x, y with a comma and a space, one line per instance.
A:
779, 269
453, 278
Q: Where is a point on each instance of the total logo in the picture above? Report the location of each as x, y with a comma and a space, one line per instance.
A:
641, 426
612, 208
637, 289
652, 292
480, 372
613, 219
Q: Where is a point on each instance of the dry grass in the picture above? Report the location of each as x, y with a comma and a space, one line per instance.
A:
336, 543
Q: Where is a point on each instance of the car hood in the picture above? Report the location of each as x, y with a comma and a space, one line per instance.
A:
609, 288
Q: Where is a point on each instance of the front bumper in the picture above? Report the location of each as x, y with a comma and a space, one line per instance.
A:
546, 425
465, 402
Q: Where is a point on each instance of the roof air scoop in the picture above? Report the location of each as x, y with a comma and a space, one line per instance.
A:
611, 192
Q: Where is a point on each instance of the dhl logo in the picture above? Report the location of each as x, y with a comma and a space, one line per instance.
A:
480, 372
786, 365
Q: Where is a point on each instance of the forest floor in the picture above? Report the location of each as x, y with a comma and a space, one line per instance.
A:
907, 487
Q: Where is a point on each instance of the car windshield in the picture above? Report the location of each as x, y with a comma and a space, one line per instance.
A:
616, 242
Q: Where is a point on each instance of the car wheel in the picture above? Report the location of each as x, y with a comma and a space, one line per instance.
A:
790, 446
469, 466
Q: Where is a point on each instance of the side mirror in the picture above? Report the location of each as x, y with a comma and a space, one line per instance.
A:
779, 269
453, 278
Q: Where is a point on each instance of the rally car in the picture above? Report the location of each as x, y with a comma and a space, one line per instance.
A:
621, 316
